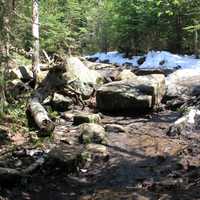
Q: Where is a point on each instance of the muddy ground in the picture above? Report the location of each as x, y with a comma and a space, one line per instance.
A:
144, 163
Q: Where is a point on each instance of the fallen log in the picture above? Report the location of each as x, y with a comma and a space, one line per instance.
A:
38, 112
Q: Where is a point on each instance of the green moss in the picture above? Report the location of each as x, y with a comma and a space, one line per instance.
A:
21, 60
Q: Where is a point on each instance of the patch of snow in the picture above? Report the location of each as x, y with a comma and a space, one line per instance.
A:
115, 57
154, 59
189, 117
183, 74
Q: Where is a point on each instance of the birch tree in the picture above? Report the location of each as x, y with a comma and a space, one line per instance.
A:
35, 33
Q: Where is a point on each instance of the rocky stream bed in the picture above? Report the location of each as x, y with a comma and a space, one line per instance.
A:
118, 135
140, 162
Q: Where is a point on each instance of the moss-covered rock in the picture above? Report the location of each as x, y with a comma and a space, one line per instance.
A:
92, 133
81, 117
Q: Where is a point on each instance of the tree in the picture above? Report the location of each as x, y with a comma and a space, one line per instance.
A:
5, 24
35, 32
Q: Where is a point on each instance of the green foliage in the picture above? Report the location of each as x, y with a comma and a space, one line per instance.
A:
83, 26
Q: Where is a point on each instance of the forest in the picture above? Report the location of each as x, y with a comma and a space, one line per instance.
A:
99, 99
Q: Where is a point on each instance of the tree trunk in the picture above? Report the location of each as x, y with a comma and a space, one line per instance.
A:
196, 50
39, 113
4, 49
179, 38
35, 33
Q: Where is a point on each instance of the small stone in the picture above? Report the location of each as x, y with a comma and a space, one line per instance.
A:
114, 128
82, 117
92, 133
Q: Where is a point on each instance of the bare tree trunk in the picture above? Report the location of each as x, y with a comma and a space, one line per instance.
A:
35, 33
4, 49
196, 50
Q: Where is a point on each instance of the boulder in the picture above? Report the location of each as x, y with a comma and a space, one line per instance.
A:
77, 70
126, 74
92, 133
141, 94
61, 103
82, 117
81, 78
65, 157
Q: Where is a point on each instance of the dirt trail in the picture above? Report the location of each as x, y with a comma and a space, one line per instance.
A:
144, 164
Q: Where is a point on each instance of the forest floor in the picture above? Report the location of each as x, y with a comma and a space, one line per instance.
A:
144, 163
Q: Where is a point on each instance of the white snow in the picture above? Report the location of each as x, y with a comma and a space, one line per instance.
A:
154, 59
189, 117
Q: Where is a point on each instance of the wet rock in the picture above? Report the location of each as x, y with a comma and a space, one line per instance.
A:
140, 94
92, 133
81, 117
126, 75
95, 152
114, 128
60, 102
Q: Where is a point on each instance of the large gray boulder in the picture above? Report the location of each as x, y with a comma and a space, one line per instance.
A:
80, 77
141, 93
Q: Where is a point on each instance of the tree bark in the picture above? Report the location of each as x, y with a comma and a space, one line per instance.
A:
4, 49
39, 113
36, 46
196, 50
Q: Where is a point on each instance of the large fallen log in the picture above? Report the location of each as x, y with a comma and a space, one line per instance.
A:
38, 112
